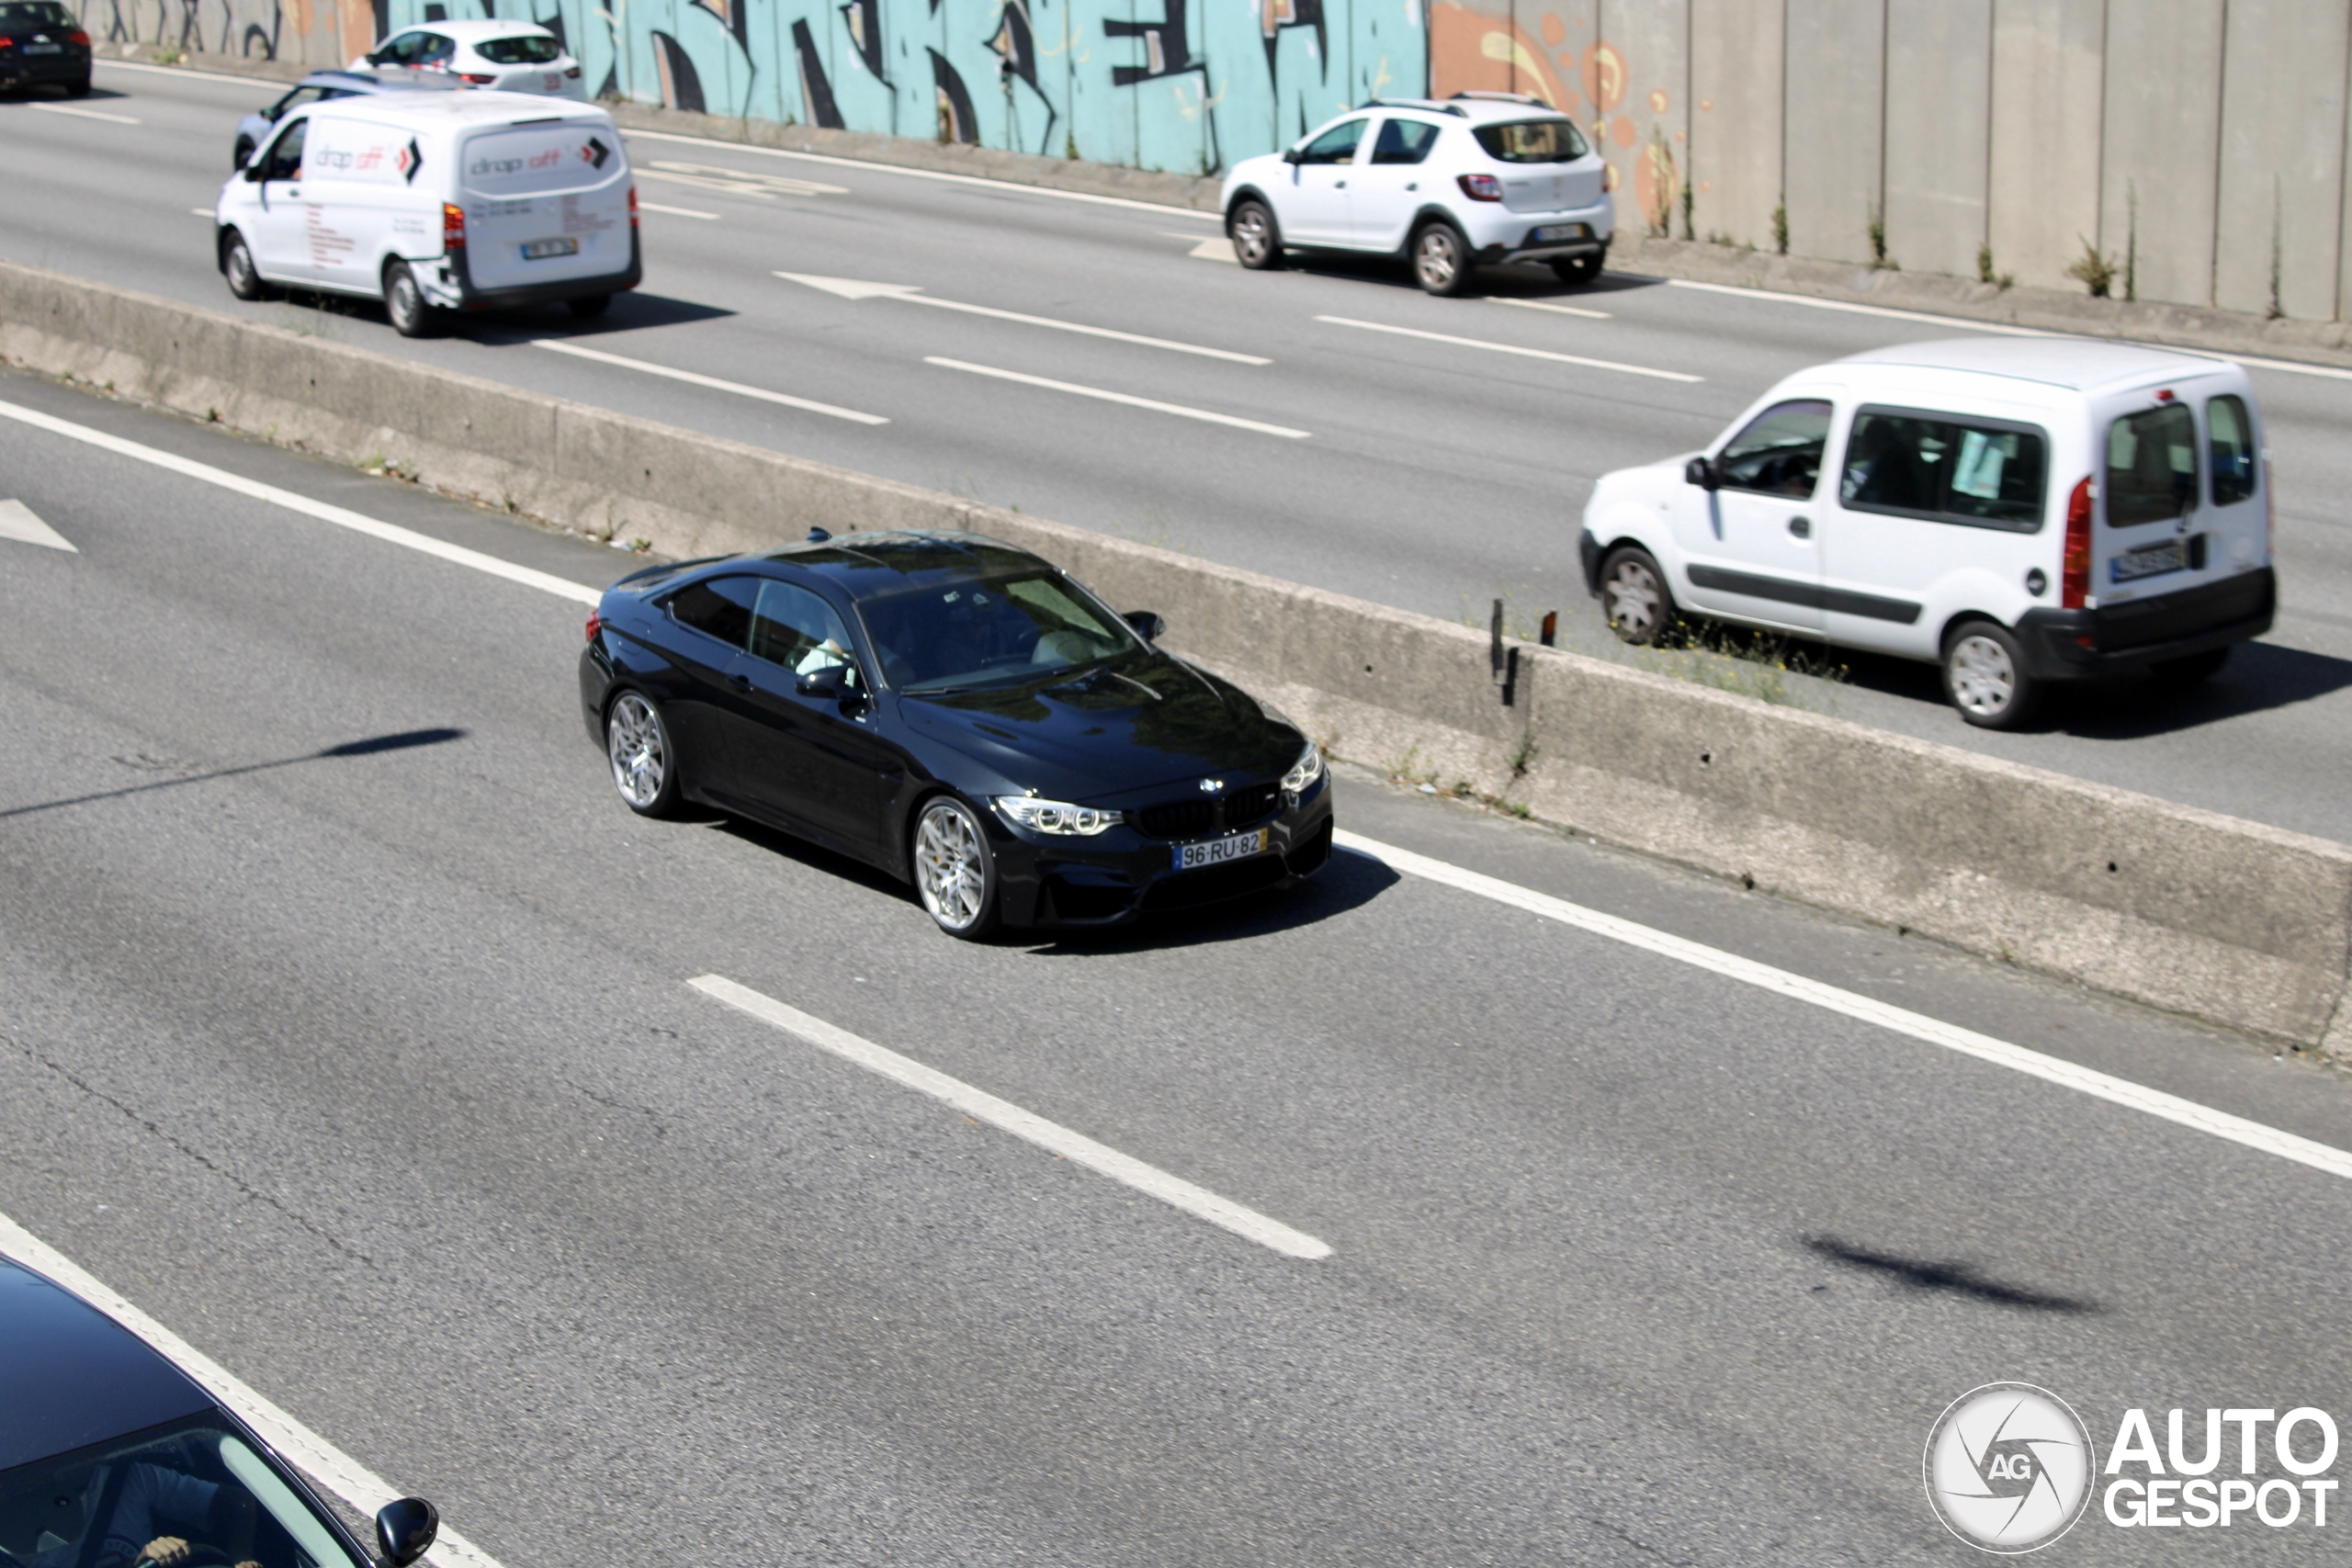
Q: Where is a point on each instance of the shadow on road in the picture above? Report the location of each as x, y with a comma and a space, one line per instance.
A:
374, 744
1927, 1274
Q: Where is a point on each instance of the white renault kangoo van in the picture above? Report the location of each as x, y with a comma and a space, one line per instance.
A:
437, 202
2018, 511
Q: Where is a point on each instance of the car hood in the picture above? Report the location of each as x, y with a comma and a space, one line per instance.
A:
1138, 723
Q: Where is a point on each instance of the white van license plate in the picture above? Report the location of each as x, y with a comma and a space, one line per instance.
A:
1217, 851
2149, 561
540, 250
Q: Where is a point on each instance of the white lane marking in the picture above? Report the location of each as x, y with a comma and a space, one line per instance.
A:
184, 71
713, 382
19, 523
1217, 248
1511, 348
202, 212
879, 168
855, 288
1545, 305
677, 211
1899, 1021
338, 1471
982, 1106
529, 577
82, 114
730, 181
1071, 386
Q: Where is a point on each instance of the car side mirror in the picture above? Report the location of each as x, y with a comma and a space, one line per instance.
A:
1293, 155
1700, 472
405, 1529
831, 685
1147, 624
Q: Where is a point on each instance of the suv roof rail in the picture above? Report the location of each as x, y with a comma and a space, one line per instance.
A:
1431, 105
1503, 97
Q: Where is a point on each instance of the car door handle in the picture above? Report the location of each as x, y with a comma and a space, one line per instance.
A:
1339, 185
741, 682
1412, 185
1801, 526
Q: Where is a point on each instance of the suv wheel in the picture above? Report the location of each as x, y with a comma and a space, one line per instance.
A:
1257, 243
1578, 270
1634, 597
1440, 258
404, 302
1985, 678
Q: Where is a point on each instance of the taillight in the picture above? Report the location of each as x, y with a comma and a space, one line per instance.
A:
453, 225
2075, 566
574, 73
6, 42
595, 624
79, 38
632, 207
1480, 188
476, 78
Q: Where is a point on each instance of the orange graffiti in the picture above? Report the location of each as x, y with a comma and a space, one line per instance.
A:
1621, 130
1657, 100
1554, 33
1471, 52
1604, 77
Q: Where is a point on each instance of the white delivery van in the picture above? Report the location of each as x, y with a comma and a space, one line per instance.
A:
435, 202
2019, 510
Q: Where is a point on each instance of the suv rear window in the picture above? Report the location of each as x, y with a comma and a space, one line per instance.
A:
1921, 466
2151, 466
36, 14
1532, 141
530, 50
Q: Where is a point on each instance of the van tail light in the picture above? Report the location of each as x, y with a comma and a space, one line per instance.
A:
2075, 566
476, 78
78, 39
1480, 188
595, 624
632, 205
453, 225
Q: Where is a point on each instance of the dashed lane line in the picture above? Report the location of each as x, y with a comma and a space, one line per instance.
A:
1179, 410
1520, 349
692, 378
82, 114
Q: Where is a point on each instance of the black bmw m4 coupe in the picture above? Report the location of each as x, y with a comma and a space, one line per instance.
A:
960, 713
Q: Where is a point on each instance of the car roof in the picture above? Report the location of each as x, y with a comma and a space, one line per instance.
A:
473, 29
1479, 109
390, 79
2080, 365
71, 1376
474, 106
886, 561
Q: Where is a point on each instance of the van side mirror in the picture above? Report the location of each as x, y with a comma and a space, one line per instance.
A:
252, 170
1700, 472
1293, 155
1147, 624
405, 1529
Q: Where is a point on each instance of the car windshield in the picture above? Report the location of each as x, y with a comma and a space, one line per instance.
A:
983, 632
1532, 141
529, 49
17, 13
196, 1481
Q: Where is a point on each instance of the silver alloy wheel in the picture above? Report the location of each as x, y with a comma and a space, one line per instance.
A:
1634, 599
1983, 679
1252, 233
1437, 257
639, 750
950, 866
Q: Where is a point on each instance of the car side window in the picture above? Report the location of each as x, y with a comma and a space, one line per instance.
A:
284, 158
2229, 446
400, 51
433, 49
1956, 471
794, 627
1336, 145
298, 98
1404, 142
1779, 452
717, 606
2151, 466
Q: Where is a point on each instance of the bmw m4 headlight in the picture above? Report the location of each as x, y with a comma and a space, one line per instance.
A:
1304, 772
1056, 815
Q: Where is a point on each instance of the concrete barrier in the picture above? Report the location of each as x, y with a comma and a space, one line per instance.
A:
2186, 909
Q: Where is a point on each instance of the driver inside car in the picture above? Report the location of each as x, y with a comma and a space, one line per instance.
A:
156, 1501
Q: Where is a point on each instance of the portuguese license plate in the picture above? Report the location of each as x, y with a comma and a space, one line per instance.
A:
2149, 561
1217, 851
44, 48
1552, 231
540, 250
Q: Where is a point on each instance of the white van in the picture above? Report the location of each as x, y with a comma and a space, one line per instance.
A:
435, 202
2020, 510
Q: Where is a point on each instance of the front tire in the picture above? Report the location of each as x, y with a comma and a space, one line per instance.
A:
1441, 259
1257, 241
237, 266
1634, 597
954, 869
644, 763
404, 303
1985, 678
1577, 270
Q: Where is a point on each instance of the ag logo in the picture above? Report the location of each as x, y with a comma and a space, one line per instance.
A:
2008, 1468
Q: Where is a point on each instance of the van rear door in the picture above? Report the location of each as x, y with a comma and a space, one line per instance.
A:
546, 201
2150, 542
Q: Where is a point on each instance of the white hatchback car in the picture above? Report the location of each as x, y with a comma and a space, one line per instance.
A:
1480, 178
2020, 510
507, 56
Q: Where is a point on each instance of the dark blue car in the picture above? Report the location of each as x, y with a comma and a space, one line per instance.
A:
111, 1457
960, 713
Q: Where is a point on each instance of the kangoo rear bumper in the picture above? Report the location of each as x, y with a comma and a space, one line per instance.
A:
2063, 645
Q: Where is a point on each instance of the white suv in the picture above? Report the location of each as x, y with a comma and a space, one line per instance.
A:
1481, 178
507, 56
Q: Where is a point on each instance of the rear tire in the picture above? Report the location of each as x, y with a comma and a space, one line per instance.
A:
404, 303
644, 763
1257, 240
2181, 673
589, 305
1440, 255
237, 266
1634, 597
78, 89
955, 868
1578, 270
1985, 676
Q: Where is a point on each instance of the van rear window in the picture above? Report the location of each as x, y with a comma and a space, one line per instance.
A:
2229, 442
1951, 470
1532, 141
532, 48
2151, 466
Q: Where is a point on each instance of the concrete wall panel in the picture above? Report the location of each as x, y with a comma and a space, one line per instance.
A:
2048, 83
2161, 135
1938, 115
1737, 66
1647, 44
1836, 54
2282, 157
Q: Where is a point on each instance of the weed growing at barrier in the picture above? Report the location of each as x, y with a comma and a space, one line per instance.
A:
1781, 227
1747, 663
2094, 270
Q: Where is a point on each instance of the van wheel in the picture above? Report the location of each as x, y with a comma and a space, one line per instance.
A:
590, 305
1634, 597
237, 266
1257, 243
1440, 258
2178, 673
1985, 676
404, 303
1577, 269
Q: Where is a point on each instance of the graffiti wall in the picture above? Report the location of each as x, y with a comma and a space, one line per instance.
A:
315, 32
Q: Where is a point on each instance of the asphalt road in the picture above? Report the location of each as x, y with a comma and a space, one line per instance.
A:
1433, 476
346, 1031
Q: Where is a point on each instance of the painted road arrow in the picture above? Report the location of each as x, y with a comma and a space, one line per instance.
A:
853, 289
18, 523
